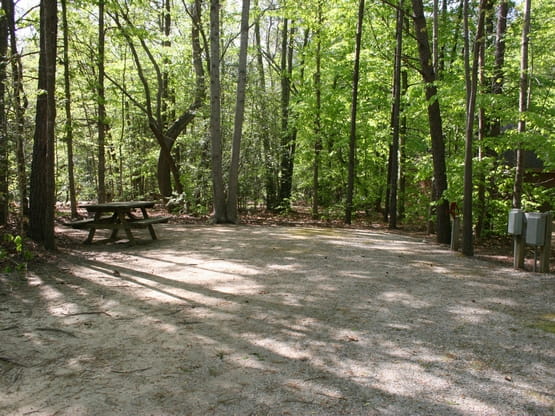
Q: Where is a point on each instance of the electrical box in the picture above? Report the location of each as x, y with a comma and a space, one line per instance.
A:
535, 228
516, 222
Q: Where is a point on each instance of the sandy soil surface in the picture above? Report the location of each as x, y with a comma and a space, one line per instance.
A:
261, 320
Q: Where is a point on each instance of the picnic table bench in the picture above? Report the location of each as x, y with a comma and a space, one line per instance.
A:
122, 218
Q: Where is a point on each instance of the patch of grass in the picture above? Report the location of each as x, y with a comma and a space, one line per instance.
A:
545, 322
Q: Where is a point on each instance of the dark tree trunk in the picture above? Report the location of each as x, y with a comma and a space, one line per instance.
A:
436, 127
69, 119
468, 246
288, 133
42, 196
354, 102
395, 120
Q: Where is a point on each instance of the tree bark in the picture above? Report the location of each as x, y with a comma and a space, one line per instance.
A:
522, 105
19, 107
318, 116
101, 106
435, 124
354, 102
42, 196
233, 183
395, 120
220, 215
69, 119
472, 75
3, 121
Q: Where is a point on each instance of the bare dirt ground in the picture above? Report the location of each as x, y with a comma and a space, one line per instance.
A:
267, 320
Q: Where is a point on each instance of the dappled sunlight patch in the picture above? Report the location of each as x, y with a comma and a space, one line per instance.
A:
404, 298
470, 314
408, 379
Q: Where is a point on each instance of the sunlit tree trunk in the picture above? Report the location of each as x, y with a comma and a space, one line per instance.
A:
318, 115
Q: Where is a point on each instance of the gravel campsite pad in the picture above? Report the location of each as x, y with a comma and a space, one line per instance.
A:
261, 320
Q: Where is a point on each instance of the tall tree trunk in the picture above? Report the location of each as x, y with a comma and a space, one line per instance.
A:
318, 115
69, 118
220, 215
233, 184
435, 123
4, 142
522, 104
20, 104
270, 174
101, 102
467, 246
42, 201
288, 133
403, 150
395, 119
354, 103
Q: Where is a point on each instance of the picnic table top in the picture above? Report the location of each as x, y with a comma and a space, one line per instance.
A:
112, 206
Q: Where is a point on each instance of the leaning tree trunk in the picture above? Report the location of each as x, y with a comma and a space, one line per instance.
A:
42, 201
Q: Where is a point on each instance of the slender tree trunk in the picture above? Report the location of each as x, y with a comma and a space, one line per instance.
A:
436, 125
467, 246
318, 115
288, 133
403, 150
19, 106
101, 102
69, 118
270, 174
42, 201
354, 103
220, 215
395, 119
4, 142
233, 186
522, 104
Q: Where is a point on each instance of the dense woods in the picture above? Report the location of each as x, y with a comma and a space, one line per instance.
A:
394, 108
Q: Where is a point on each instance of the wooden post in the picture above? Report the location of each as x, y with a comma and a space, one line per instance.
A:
455, 231
546, 248
519, 250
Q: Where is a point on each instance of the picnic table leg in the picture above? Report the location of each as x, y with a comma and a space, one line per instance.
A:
150, 227
89, 238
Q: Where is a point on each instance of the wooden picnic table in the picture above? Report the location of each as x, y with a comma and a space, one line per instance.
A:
121, 217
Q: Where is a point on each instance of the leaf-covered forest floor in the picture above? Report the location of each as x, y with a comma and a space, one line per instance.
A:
278, 316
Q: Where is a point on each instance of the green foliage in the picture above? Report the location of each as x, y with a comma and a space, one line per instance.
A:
14, 256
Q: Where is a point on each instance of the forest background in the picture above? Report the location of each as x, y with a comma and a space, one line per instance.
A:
400, 108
